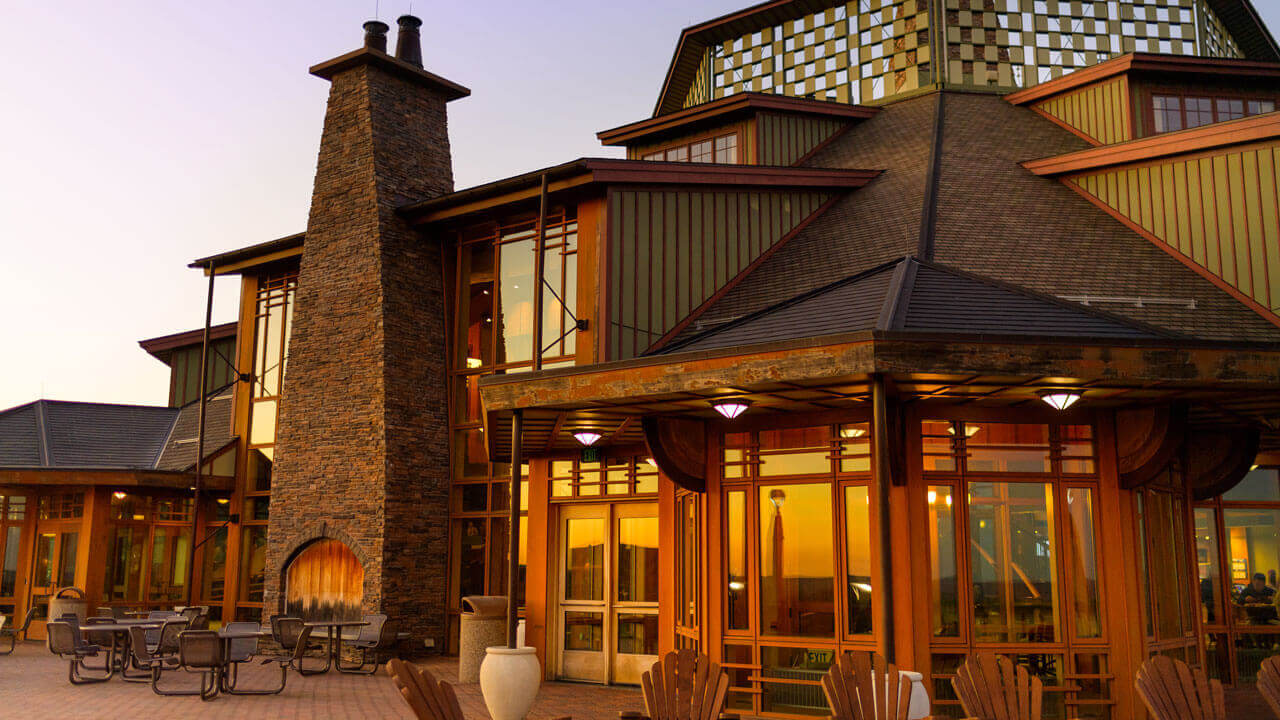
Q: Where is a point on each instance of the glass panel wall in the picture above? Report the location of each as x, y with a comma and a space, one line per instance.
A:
1238, 556
1011, 509
797, 561
150, 548
13, 515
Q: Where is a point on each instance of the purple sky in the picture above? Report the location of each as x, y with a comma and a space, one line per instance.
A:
138, 136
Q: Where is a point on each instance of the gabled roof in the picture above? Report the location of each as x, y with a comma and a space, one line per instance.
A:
61, 435
914, 296
161, 348
977, 210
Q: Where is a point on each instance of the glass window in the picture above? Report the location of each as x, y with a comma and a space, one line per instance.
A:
701, 152
727, 149
1007, 447
515, 301
1077, 446
938, 444
1210, 573
253, 563
1167, 571
1230, 109
1262, 485
1080, 540
638, 559
637, 634
738, 594
1168, 113
1257, 107
796, 560
857, 519
1253, 551
795, 451
944, 588
214, 577
1199, 111
9, 570
584, 631
799, 672
67, 558
855, 448
680, 154
1012, 562
584, 559
124, 567
688, 570
169, 555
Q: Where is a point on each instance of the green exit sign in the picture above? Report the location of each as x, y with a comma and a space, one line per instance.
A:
591, 455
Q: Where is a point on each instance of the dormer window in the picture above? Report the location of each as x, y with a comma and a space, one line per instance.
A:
1182, 112
722, 149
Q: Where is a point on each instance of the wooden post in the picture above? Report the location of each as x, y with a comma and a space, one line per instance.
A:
513, 540
880, 450
195, 502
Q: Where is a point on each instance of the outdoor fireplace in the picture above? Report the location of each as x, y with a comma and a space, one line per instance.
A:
324, 581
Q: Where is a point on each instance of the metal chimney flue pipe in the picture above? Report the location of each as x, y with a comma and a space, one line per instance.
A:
375, 35
409, 40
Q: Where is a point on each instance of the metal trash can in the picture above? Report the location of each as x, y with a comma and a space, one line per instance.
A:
484, 623
63, 602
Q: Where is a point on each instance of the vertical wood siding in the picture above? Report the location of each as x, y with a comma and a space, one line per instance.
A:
1221, 210
1099, 112
325, 582
670, 251
784, 139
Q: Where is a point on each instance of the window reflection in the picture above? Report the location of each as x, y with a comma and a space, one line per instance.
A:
796, 560
945, 591
1012, 562
584, 559
1080, 539
738, 594
1210, 573
857, 515
1253, 551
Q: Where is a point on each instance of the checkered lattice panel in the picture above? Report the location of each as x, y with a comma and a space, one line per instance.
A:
1016, 43
1215, 41
852, 52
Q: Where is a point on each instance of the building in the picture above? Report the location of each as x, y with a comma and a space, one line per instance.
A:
926, 328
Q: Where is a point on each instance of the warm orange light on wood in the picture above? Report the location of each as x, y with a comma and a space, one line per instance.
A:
325, 581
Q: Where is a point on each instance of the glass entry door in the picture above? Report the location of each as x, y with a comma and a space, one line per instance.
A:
55, 567
608, 609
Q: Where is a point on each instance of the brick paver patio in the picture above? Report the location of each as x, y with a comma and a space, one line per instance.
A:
33, 684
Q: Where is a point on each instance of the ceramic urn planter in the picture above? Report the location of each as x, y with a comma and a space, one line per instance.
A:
509, 680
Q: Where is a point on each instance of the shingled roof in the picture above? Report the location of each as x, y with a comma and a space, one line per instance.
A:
952, 193
912, 296
60, 435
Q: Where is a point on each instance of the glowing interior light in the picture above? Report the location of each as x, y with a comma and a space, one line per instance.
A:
850, 432
1060, 399
474, 362
969, 429
933, 497
731, 408
651, 461
587, 437
119, 494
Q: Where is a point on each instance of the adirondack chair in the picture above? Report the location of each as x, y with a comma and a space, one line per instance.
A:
430, 699
1173, 691
991, 688
683, 685
1269, 683
860, 686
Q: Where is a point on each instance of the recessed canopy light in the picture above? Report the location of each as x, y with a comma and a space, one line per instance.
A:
119, 494
969, 429
587, 437
1059, 399
850, 432
731, 408
223, 501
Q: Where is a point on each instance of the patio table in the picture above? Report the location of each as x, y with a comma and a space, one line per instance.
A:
120, 644
334, 626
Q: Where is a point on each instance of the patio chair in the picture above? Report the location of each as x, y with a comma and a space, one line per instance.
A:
377, 635
98, 637
1269, 683
295, 627
1173, 691
78, 637
12, 632
167, 636
62, 640
240, 650
199, 651
140, 658
860, 686
684, 684
430, 699
200, 622
295, 637
292, 661
991, 688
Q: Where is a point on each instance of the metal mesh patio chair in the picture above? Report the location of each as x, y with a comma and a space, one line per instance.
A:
167, 640
140, 658
286, 662
199, 651
62, 640
377, 636
240, 650
11, 633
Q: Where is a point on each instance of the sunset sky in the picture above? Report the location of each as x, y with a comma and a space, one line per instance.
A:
138, 136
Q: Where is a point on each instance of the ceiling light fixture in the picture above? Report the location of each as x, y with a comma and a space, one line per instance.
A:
851, 432
587, 437
969, 429
1059, 399
731, 409
119, 494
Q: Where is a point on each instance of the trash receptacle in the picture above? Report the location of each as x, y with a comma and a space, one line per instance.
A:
68, 600
484, 623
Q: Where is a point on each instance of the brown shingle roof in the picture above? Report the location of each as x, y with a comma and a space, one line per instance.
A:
994, 219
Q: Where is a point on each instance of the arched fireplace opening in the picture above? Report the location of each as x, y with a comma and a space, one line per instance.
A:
324, 581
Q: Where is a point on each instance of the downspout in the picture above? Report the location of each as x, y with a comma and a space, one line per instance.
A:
197, 489
513, 517
880, 453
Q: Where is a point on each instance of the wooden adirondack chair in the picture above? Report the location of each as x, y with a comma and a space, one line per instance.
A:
1269, 683
430, 699
991, 688
861, 686
683, 685
1173, 691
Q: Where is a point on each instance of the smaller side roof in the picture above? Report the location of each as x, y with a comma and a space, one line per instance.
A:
161, 348
1149, 63
244, 258
925, 298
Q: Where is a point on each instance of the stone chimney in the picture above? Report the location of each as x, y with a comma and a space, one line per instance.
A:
409, 41
362, 449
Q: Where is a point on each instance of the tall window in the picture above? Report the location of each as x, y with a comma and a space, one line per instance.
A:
1238, 556
150, 548
1012, 518
13, 514
797, 575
